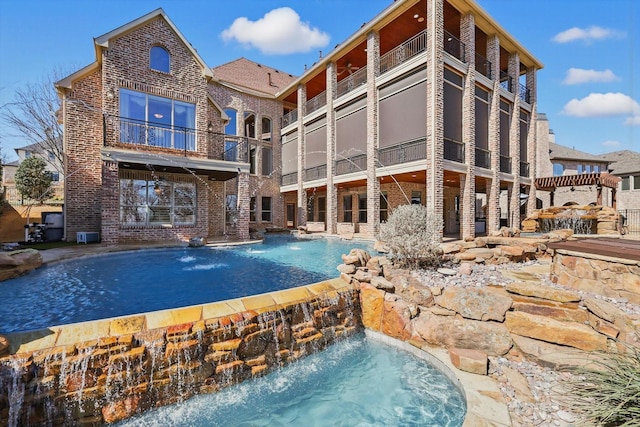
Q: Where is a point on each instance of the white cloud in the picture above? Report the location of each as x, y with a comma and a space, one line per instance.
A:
633, 121
602, 105
577, 76
278, 32
611, 144
585, 34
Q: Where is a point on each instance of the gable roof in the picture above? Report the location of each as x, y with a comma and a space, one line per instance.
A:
557, 151
623, 162
243, 73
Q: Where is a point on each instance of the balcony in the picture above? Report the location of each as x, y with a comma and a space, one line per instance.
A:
351, 164
174, 140
289, 118
524, 169
505, 164
404, 52
454, 46
290, 178
525, 94
453, 150
483, 66
403, 153
316, 172
483, 158
316, 102
352, 81
506, 82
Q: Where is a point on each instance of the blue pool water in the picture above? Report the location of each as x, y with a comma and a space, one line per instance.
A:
357, 382
137, 282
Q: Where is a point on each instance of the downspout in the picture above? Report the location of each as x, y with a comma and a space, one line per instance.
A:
65, 165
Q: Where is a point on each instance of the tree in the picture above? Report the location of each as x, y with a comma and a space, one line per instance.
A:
33, 115
32, 180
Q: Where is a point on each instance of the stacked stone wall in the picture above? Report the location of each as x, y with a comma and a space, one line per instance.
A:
132, 364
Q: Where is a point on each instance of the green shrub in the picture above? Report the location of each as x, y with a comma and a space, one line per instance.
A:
413, 235
606, 391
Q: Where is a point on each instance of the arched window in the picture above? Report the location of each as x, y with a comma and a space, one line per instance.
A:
159, 59
266, 129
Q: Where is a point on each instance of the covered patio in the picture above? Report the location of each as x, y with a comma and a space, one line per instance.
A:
599, 180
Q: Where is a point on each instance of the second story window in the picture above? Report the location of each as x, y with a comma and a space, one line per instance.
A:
558, 169
159, 59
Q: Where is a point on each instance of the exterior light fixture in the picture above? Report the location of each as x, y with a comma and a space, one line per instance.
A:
210, 127
158, 116
110, 94
156, 188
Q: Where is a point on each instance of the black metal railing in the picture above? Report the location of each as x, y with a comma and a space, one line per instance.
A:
290, 178
351, 82
525, 94
454, 46
629, 221
524, 169
176, 140
506, 81
317, 102
483, 66
403, 52
483, 158
454, 150
316, 172
505, 164
351, 164
403, 153
289, 118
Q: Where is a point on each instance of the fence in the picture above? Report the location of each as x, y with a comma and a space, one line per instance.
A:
13, 197
632, 220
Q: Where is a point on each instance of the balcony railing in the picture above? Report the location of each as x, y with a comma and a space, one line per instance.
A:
483, 158
483, 66
403, 153
352, 81
506, 81
524, 93
524, 169
453, 150
505, 164
454, 46
352, 164
289, 118
402, 53
317, 102
290, 178
174, 139
316, 172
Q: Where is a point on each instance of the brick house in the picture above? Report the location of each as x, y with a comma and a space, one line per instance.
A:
146, 153
430, 102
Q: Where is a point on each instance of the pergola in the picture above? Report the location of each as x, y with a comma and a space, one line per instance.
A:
597, 179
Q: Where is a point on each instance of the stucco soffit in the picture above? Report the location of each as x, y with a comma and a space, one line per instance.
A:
224, 116
103, 40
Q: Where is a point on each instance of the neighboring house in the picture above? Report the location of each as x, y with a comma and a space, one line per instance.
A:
430, 102
9, 173
626, 165
146, 149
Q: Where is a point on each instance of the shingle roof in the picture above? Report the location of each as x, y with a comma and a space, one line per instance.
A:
557, 151
623, 162
248, 74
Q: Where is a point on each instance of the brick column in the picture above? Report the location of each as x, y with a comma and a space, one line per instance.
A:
373, 186
435, 107
468, 187
493, 186
244, 199
110, 195
514, 143
332, 197
302, 196
532, 138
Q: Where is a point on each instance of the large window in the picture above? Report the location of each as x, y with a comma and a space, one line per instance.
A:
159, 59
157, 121
347, 208
266, 209
384, 207
322, 209
252, 159
157, 202
231, 145
558, 169
362, 208
267, 161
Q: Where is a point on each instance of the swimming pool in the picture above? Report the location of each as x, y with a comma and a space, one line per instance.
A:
136, 282
354, 382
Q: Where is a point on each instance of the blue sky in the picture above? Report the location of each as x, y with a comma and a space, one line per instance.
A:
589, 88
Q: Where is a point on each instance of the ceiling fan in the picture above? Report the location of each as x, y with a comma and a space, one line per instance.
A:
349, 68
